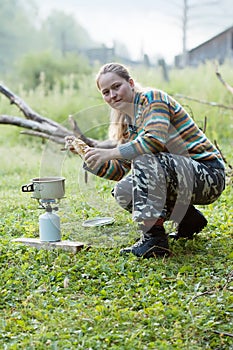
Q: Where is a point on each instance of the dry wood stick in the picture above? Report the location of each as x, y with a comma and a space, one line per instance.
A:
223, 333
220, 78
213, 104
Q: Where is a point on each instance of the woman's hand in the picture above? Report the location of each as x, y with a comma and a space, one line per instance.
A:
94, 157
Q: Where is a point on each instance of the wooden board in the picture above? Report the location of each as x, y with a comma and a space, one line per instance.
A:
72, 246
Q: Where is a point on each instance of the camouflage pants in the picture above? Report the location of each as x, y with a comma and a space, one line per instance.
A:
164, 185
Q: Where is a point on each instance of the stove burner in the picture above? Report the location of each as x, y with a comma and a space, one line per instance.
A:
49, 222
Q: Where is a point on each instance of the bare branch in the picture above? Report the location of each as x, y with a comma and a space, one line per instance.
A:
44, 136
218, 148
208, 292
229, 279
39, 125
223, 333
78, 133
75, 128
27, 111
33, 125
213, 104
229, 87
25, 123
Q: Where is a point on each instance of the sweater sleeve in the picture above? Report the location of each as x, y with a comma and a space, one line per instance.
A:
114, 169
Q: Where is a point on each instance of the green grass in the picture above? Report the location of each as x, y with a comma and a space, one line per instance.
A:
97, 299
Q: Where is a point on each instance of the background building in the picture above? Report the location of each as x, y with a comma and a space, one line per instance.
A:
220, 48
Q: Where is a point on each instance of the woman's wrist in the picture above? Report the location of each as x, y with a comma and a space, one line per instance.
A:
115, 153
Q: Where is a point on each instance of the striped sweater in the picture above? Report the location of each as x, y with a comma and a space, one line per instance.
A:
161, 124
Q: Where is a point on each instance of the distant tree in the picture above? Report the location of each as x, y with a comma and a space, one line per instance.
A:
22, 32
195, 17
17, 32
189, 14
65, 33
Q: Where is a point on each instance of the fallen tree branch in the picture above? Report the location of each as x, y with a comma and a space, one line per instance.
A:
78, 133
25, 109
39, 125
27, 124
220, 78
42, 135
213, 104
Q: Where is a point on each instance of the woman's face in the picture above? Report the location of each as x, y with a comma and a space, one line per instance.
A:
116, 91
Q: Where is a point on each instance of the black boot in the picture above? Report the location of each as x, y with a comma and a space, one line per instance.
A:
193, 222
152, 243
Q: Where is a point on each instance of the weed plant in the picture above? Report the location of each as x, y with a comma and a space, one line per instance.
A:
97, 299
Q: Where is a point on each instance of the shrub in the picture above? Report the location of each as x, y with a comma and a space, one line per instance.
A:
34, 68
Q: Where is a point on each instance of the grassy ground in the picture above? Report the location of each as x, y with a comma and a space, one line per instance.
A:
97, 299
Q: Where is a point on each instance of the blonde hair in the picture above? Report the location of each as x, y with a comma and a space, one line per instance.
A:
118, 123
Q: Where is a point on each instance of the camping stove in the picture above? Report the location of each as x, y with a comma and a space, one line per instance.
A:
48, 192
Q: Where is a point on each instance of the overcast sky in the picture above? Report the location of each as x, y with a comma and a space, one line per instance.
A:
150, 26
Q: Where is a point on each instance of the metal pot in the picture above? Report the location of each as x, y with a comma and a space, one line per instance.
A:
46, 187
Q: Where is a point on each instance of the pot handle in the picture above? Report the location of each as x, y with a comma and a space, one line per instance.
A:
28, 188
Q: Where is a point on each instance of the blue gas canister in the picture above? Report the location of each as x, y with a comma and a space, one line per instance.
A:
49, 227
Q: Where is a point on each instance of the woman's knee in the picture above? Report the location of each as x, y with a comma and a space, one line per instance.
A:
122, 192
